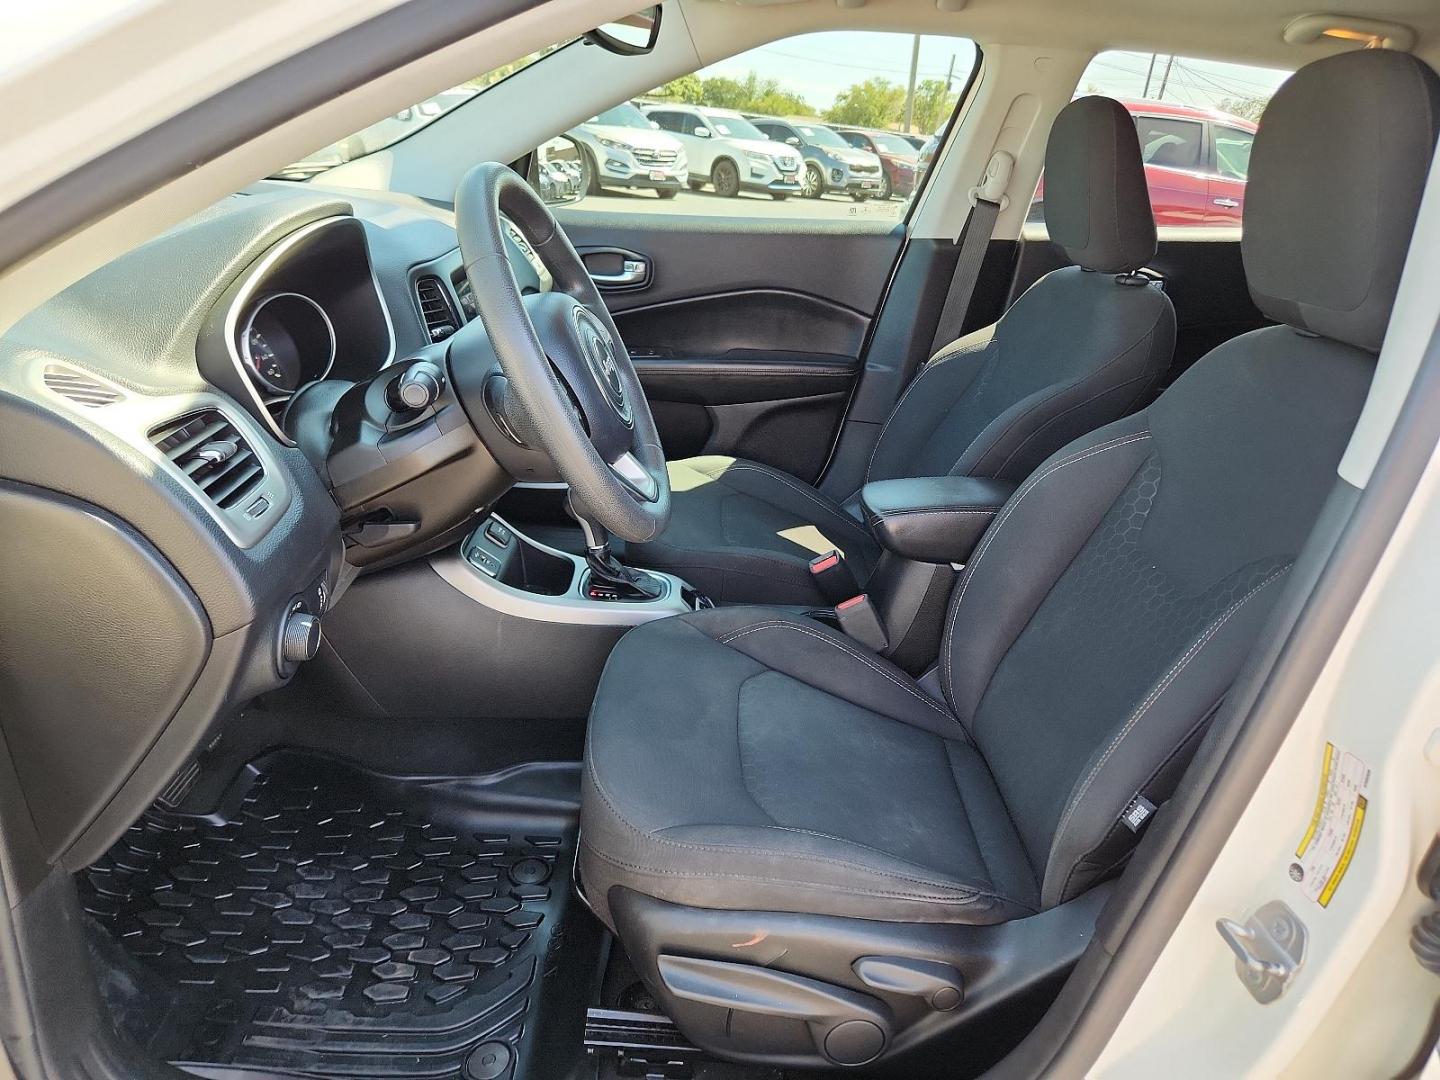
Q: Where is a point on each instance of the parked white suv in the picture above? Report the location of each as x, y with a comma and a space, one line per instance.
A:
623, 149
729, 152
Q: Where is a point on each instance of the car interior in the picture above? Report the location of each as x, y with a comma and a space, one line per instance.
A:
437, 647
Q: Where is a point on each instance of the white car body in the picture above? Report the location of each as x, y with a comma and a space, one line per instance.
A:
632, 157
762, 164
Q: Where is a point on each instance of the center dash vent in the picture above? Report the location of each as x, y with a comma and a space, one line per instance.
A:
439, 316
78, 387
209, 449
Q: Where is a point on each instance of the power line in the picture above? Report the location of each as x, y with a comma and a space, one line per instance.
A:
875, 68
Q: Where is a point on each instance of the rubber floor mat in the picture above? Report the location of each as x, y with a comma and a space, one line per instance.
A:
335, 923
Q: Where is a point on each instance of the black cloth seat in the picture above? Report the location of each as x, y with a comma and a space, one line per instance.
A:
1083, 346
744, 758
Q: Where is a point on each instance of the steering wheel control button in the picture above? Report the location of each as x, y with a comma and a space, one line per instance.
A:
300, 638
529, 872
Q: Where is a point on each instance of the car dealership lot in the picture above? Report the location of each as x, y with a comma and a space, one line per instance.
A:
745, 205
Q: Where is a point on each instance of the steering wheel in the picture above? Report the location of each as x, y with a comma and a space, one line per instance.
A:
569, 389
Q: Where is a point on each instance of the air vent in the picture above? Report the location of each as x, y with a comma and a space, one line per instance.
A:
78, 387
207, 448
435, 307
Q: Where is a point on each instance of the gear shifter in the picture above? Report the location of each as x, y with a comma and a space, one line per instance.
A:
609, 579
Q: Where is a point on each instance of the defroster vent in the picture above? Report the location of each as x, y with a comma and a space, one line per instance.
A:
78, 387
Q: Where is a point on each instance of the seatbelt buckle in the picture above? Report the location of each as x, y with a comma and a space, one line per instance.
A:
859, 619
833, 577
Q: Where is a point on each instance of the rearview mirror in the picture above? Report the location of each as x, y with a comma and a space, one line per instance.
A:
793, 140
631, 36
702, 132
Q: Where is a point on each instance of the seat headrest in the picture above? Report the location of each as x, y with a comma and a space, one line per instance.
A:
1336, 175
1096, 204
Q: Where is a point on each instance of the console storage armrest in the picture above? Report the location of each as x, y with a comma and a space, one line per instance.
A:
934, 519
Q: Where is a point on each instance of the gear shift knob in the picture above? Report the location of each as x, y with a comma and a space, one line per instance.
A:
609, 579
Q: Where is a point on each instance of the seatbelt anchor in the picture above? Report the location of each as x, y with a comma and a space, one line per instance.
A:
859, 619
992, 187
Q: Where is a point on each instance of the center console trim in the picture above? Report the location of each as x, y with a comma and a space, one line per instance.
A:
570, 607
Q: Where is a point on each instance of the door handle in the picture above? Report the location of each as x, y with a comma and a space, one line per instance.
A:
615, 268
1226, 202
632, 272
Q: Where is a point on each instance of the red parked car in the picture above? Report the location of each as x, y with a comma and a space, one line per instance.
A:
1196, 163
898, 157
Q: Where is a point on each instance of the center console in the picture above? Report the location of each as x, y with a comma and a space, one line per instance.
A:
499, 566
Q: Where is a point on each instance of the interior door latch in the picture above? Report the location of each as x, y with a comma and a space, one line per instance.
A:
1269, 949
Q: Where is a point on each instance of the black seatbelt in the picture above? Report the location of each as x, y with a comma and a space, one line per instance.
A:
988, 199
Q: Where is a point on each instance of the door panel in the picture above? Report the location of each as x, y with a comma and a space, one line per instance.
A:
746, 333
1227, 201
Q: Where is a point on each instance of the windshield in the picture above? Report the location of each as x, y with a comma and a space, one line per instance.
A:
407, 121
892, 144
625, 115
734, 127
821, 136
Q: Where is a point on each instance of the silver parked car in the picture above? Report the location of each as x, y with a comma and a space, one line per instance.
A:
831, 164
624, 148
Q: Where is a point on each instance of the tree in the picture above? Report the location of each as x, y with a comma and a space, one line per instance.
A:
684, 90
875, 103
933, 104
1248, 108
751, 94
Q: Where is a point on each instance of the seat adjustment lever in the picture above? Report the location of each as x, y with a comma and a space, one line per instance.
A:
937, 983
849, 1028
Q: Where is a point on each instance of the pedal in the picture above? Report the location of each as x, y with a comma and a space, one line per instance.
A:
644, 1045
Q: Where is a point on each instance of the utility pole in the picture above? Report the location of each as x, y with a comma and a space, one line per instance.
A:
950, 75
1149, 75
1165, 79
910, 91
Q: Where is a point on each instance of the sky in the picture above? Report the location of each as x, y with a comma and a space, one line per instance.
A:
819, 66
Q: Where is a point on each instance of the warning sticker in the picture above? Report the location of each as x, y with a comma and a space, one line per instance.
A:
1329, 843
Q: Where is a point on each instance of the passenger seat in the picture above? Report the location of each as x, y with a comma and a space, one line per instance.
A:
1085, 345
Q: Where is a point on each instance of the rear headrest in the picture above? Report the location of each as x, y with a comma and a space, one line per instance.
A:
1096, 204
1336, 174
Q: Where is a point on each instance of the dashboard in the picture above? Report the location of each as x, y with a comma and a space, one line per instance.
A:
146, 473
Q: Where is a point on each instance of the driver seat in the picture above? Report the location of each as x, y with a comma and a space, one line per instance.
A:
1084, 345
813, 858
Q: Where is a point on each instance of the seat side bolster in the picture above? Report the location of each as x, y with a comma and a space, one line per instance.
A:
1165, 718
812, 653
1026, 549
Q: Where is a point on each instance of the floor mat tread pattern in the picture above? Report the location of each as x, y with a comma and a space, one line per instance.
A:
327, 928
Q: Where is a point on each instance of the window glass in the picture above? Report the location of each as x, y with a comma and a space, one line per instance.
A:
1196, 121
726, 152
1232, 152
816, 135
626, 116
392, 129
1173, 144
